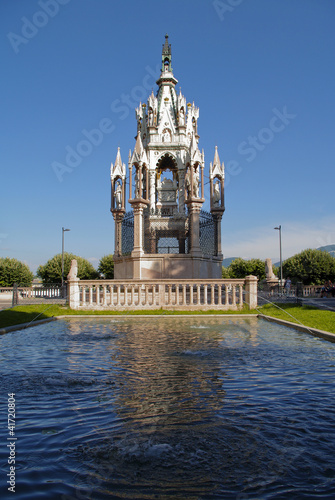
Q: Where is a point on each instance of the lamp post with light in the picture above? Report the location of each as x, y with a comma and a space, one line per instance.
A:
63, 231
281, 261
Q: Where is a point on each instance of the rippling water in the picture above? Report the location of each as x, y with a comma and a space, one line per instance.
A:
169, 408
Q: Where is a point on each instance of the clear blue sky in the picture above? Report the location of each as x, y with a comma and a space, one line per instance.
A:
261, 71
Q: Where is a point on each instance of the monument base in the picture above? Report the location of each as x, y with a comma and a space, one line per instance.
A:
167, 266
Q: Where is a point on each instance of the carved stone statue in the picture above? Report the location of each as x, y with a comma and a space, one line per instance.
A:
118, 196
196, 183
138, 179
73, 274
151, 117
182, 117
217, 194
188, 182
166, 136
268, 269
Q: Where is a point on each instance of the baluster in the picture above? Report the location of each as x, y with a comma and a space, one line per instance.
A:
219, 294
227, 295
234, 295
132, 294
241, 295
111, 302
118, 286
184, 294
212, 294
191, 294
104, 296
198, 295
98, 294
90, 294
205, 294
83, 295
177, 295
169, 295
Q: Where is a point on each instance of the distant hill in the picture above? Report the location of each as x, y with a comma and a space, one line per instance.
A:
327, 248
228, 261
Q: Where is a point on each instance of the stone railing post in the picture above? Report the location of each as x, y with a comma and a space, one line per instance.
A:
73, 286
251, 291
73, 294
161, 295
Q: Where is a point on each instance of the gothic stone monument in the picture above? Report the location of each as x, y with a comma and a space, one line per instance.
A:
166, 234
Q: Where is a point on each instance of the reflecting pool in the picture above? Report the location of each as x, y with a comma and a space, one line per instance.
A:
169, 408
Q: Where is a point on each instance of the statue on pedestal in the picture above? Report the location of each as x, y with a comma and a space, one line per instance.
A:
118, 196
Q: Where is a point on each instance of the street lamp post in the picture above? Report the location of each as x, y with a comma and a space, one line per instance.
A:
281, 261
63, 231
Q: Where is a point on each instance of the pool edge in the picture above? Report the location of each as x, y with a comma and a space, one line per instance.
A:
306, 329
22, 326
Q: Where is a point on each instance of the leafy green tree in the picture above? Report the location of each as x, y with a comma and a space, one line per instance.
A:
312, 267
106, 267
241, 268
51, 272
13, 271
225, 272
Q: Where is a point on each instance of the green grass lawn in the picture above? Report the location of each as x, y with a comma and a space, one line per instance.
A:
308, 316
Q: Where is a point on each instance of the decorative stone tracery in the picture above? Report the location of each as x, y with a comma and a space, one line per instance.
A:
166, 192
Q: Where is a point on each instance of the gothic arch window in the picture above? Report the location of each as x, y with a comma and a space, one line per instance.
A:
166, 162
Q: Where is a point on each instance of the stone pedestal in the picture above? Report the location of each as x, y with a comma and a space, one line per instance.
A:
251, 291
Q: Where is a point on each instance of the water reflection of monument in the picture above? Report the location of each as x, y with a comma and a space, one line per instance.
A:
167, 234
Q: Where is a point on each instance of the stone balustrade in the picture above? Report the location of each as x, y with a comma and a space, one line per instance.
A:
223, 294
30, 292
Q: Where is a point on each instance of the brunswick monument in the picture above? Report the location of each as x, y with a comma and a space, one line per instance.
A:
167, 234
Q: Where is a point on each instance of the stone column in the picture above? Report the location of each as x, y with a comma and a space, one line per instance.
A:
123, 194
181, 175
251, 291
138, 208
222, 193
152, 175
194, 209
202, 182
118, 218
217, 216
130, 182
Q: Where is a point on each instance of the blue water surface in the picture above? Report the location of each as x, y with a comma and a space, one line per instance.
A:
169, 408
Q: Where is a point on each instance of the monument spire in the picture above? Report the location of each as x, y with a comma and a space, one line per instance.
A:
166, 70
166, 55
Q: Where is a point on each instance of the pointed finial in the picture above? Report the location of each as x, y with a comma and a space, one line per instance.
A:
118, 161
216, 157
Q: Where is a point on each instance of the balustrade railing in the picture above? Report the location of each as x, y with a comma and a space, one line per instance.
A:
165, 294
24, 294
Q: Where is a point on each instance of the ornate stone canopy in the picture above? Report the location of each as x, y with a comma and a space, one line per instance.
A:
166, 190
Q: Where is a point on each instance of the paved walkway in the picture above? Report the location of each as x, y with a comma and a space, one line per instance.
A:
325, 303
321, 303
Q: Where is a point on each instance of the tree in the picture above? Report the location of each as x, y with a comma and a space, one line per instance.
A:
106, 267
225, 272
241, 268
51, 272
312, 267
13, 271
